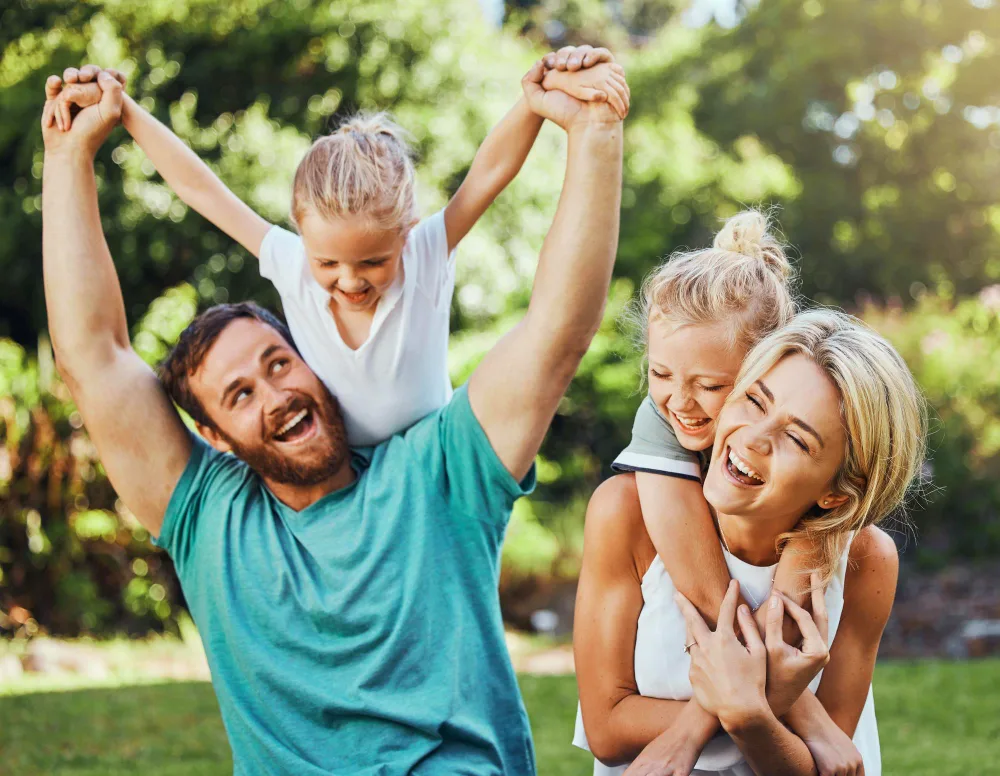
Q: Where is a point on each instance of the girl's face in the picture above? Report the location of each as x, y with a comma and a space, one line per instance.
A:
779, 446
354, 263
692, 369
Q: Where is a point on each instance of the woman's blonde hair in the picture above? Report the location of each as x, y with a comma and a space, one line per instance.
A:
883, 415
364, 168
744, 279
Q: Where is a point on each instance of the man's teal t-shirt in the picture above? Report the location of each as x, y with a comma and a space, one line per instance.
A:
363, 634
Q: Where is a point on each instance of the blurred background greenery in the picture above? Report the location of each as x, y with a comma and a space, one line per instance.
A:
872, 124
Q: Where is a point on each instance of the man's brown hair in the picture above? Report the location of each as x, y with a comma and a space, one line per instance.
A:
195, 341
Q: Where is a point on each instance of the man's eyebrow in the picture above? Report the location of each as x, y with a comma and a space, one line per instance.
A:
229, 389
269, 351
765, 390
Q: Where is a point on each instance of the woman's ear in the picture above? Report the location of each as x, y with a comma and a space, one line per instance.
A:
831, 500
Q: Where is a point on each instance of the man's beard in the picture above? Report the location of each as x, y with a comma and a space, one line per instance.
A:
278, 467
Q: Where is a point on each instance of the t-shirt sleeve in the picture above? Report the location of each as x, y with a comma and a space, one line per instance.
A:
183, 523
654, 447
433, 264
478, 482
282, 260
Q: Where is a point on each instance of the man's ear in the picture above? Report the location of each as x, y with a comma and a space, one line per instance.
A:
214, 438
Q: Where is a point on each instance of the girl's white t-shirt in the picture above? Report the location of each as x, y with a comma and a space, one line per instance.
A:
400, 373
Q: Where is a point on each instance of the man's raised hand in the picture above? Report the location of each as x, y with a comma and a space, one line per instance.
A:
90, 128
589, 74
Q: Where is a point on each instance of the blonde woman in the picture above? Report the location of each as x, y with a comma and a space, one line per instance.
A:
822, 436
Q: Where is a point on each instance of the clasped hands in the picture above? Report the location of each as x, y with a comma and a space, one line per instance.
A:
559, 87
738, 682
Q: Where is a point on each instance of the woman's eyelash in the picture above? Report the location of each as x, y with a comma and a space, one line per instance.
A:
799, 442
755, 403
714, 388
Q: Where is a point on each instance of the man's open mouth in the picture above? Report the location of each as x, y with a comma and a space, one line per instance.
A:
298, 427
740, 471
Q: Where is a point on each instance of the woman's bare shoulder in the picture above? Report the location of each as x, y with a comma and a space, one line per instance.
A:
872, 573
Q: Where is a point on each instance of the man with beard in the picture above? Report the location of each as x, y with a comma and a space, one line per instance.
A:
346, 598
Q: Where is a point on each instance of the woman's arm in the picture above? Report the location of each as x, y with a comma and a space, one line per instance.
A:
618, 721
869, 592
192, 180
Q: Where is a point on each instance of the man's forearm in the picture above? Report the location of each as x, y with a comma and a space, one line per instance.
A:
85, 307
574, 269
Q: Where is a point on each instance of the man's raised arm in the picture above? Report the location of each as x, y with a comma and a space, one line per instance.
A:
515, 390
139, 436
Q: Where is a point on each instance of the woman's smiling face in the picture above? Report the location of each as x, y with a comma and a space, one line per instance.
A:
692, 368
779, 446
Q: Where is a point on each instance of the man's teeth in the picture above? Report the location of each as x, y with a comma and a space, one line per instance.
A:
742, 466
298, 418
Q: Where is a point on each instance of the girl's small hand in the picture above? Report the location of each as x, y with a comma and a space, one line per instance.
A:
790, 669
728, 679
576, 57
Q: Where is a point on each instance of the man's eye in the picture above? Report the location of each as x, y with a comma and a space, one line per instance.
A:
278, 366
240, 395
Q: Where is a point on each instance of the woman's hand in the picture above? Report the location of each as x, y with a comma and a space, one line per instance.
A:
790, 669
728, 678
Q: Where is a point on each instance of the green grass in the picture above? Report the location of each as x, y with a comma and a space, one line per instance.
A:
934, 718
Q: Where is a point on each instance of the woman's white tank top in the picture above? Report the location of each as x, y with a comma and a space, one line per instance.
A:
661, 665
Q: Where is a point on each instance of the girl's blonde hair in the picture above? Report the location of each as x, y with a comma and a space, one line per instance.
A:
364, 168
744, 279
883, 415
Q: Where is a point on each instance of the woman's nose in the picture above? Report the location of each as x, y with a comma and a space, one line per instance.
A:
758, 439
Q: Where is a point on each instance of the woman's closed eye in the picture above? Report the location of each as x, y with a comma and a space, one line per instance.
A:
798, 442
755, 402
713, 388
659, 375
